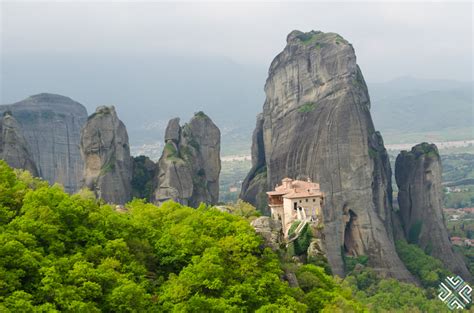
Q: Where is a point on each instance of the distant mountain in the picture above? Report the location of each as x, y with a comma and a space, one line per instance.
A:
409, 108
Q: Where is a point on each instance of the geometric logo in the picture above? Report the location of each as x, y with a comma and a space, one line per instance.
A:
455, 292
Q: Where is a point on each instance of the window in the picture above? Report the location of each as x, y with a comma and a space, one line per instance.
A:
314, 200
306, 200
295, 205
300, 201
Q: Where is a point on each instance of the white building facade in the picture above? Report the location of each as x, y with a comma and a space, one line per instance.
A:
295, 200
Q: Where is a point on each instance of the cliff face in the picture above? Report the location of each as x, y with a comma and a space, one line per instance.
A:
51, 125
316, 122
13, 146
418, 176
106, 153
190, 165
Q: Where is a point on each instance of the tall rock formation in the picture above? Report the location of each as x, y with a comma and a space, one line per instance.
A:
316, 123
418, 176
106, 153
13, 147
190, 165
51, 125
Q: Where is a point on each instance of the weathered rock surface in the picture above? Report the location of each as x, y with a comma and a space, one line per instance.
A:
255, 184
190, 165
270, 230
316, 122
106, 153
13, 146
51, 125
418, 176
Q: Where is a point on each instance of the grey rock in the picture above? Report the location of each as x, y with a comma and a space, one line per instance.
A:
190, 165
106, 152
418, 175
270, 230
255, 184
51, 125
317, 123
173, 130
13, 146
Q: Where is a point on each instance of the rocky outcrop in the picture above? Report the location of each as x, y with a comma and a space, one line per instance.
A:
190, 165
316, 123
106, 153
270, 230
418, 176
51, 125
13, 146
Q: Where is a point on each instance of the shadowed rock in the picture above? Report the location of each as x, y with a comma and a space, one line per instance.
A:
418, 176
316, 123
190, 164
106, 153
13, 146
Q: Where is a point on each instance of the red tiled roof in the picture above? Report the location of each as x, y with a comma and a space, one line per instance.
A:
296, 189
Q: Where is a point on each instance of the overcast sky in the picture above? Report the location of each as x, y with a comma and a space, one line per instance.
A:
426, 40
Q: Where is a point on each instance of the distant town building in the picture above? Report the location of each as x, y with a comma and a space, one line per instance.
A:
295, 200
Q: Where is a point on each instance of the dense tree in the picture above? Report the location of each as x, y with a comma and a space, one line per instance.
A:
72, 253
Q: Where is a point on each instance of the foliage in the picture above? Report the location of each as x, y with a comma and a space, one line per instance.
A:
414, 232
323, 293
243, 209
390, 295
71, 253
144, 171
200, 114
293, 227
170, 150
108, 167
350, 262
373, 153
428, 270
302, 243
307, 107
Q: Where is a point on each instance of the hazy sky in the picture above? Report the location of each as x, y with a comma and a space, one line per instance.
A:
426, 40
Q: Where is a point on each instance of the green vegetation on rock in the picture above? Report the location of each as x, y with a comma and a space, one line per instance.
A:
429, 270
61, 252
307, 107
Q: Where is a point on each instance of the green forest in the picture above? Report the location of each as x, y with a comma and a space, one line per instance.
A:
72, 253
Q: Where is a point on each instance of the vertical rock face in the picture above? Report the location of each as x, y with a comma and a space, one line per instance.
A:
190, 165
13, 146
51, 125
418, 176
316, 123
106, 153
